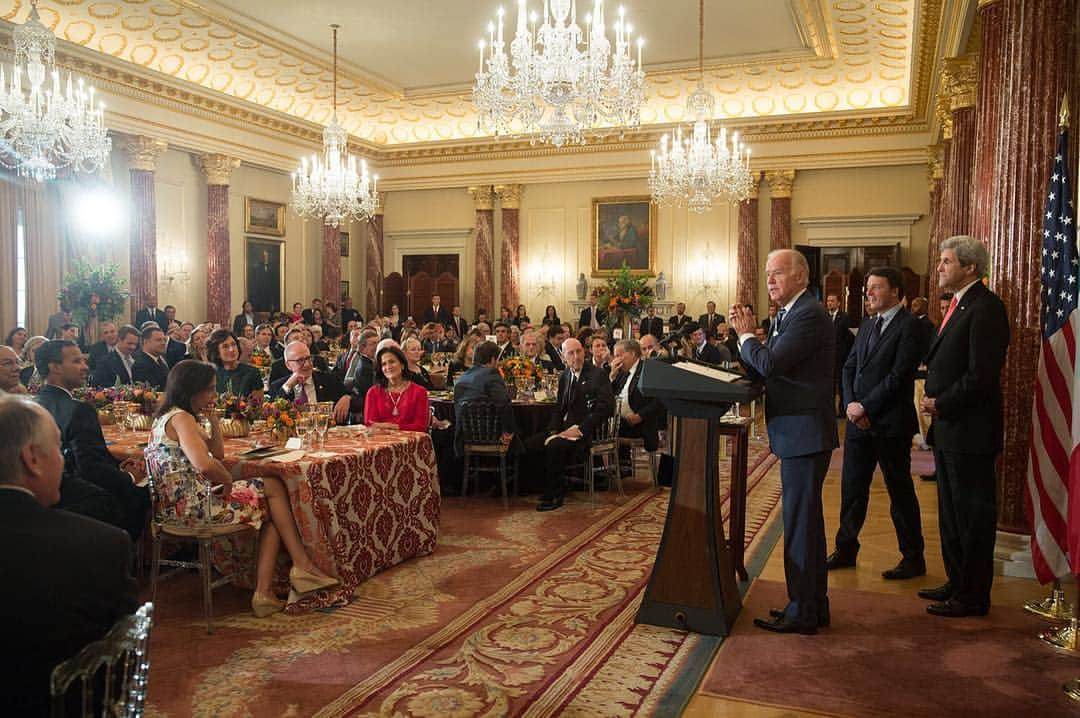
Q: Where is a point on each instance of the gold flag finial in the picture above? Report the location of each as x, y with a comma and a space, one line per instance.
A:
1063, 117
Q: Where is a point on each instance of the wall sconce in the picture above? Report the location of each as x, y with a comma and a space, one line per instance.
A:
543, 276
173, 265
711, 271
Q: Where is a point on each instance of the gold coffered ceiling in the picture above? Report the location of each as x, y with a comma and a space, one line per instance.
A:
408, 63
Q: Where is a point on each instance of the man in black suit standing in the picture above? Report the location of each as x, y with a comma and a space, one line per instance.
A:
638, 413
124, 503
711, 322
591, 316
878, 385
150, 313
680, 318
348, 313
796, 364
437, 312
70, 575
963, 397
118, 365
651, 324
841, 322
150, 365
482, 382
584, 400
458, 327
308, 385
108, 333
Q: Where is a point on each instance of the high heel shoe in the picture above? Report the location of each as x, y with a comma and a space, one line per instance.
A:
263, 606
305, 582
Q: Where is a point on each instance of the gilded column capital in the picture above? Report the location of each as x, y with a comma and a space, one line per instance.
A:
217, 168
142, 152
935, 165
780, 182
960, 80
987, 3
755, 184
483, 197
382, 204
510, 195
943, 110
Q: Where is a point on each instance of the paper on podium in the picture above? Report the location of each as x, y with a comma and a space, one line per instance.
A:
717, 374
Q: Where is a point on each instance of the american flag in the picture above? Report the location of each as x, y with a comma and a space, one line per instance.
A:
1054, 461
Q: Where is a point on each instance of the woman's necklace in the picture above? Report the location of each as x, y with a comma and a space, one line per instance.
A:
395, 396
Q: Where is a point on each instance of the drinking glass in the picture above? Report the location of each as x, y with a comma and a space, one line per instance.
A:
304, 424
120, 414
322, 425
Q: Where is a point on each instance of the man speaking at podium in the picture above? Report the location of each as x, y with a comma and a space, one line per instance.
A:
796, 364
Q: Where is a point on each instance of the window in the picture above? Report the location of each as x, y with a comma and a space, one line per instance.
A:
20, 269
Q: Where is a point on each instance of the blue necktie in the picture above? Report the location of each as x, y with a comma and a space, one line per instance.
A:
779, 318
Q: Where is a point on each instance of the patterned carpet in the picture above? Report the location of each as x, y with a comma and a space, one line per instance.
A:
516, 613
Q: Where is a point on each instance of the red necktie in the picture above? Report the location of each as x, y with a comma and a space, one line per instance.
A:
952, 307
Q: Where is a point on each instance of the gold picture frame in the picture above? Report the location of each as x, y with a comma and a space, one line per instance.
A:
264, 267
624, 230
261, 216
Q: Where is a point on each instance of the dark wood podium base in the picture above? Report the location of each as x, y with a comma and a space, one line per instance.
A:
692, 587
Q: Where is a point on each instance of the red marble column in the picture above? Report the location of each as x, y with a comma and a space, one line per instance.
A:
988, 115
936, 171
1035, 66
331, 265
142, 154
959, 83
746, 275
217, 170
780, 183
373, 264
510, 204
483, 241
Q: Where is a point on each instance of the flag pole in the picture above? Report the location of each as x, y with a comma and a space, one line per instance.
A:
1054, 607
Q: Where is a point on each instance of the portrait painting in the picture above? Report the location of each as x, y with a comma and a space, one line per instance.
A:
264, 273
264, 217
624, 230
344, 243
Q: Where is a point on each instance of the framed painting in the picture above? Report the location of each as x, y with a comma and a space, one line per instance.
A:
264, 217
344, 243
264, 273
624, 230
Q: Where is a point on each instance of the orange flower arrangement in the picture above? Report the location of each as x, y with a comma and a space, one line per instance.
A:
517, 367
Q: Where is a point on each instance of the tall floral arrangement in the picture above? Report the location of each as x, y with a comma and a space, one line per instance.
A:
623, 296
93, 287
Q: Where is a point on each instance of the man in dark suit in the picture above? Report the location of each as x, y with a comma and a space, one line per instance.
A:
458, 326
924, 326
963, 397
348, 313
64, 369
118, 365
175, 349
704, 349
712, 323
308, 385
438, 342
796, 364
591, 316
69, 575
309, 313
878, 385
584, 400
767, 322
502, 339
482, 382
842, 325
556, 336
437, 312
98, 350
651, 324
680, 318
638, 413
244, 318
151, 367
356, 369
531, 350
150, 313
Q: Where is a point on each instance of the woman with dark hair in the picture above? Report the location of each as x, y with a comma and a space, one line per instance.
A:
297, 314
16, 339
317, 320
223, 350
245, 317
196, 343
413, 349
179, 444
506, 316
463, 355
551, 316
521, 317
395, 401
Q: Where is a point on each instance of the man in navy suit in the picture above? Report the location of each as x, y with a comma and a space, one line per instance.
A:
150, 313
119, 364
308, 385
482, 382
796, 364
437, 312
842, 323
963, 397
878, 384
150, 365
651, 324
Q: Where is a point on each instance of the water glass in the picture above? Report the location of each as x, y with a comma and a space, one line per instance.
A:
322, 425
304, 425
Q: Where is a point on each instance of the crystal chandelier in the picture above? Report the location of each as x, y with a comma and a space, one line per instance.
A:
332, 187
694, 170
558, 82
56, 125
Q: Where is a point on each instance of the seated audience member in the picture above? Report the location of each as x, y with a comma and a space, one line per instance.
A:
358, 370
650, 347
759, 334
9, 372
16, 339
584, 400
521, 316
482, 382
186, 328
309, 313
297, 313
278, 370
345, 340
264, 342
395, 401
414, 351
515, 338
277, 347
767, 322
118, 366
319, 344
599, 356
530, 349
123, 504
651, 324
248, 333
28, 375
175, 348
638, 413
463, 357
308, 384
551, 316
502, 339
177, 441
107, 344
233, 376
706, 351
70, 575
197, 343
506, 315
170, 314
557, 334
333, 321
482, 316
246, 317
70, 332
150, 366
318, 319
438, 342
484, 328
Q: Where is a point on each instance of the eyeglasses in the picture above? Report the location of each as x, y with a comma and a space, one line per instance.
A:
301, 360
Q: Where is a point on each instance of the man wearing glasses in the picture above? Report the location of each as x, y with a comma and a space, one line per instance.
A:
307, 385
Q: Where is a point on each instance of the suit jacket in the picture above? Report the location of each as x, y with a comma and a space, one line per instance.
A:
963, 375
442, 316
797, 368
174, 352
507, 351
240, 320
590, 402
278, 370
712, 327
435, 347
585, 319
481, 383
149, 371
882, 379
458, 325
676, 322
925, 329
654, 326
97, 352
145, 315
844, 338
111, 368
308, 316
73, 581
349, 315
649, 409
710, 353
327, 387
553, 355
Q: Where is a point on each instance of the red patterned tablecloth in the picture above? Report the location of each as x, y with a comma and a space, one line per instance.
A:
367, 504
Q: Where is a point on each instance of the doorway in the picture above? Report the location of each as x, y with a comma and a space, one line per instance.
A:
425, 275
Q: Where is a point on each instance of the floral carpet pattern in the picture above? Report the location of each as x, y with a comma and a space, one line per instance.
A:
516, 613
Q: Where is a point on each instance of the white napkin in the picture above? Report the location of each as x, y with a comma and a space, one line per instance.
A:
291, 456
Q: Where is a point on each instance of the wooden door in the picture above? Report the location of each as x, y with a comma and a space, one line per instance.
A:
393, 292
433, 266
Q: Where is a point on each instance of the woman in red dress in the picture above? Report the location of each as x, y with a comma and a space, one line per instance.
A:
395, 402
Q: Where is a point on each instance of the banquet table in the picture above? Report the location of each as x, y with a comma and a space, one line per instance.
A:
532, 416
362, 504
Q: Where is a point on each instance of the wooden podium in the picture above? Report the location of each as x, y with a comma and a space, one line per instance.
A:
693, 585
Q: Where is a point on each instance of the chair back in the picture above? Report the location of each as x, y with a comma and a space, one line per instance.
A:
180, 498
608, 429
480, 423
118, 666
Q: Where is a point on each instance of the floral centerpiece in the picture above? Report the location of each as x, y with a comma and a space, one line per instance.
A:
139, 395
237, 413
519, 373
93, 289
281, 416
261, 359
623, 297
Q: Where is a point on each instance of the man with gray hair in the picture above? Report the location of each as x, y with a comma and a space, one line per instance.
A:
71, 574
963, 399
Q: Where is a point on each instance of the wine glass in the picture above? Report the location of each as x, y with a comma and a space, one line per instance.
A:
303, 425
120, 414
322, 425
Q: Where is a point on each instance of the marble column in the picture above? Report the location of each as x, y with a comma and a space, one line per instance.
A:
483, 239
991, 74
780, 182
1033, 68
958, 83
746, 274
510, 204
331, 265
217, 169
142, 155
373, 262
936, 178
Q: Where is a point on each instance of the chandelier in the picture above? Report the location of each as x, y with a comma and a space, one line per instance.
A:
557, 81
334, 187
695, 169
54, 126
